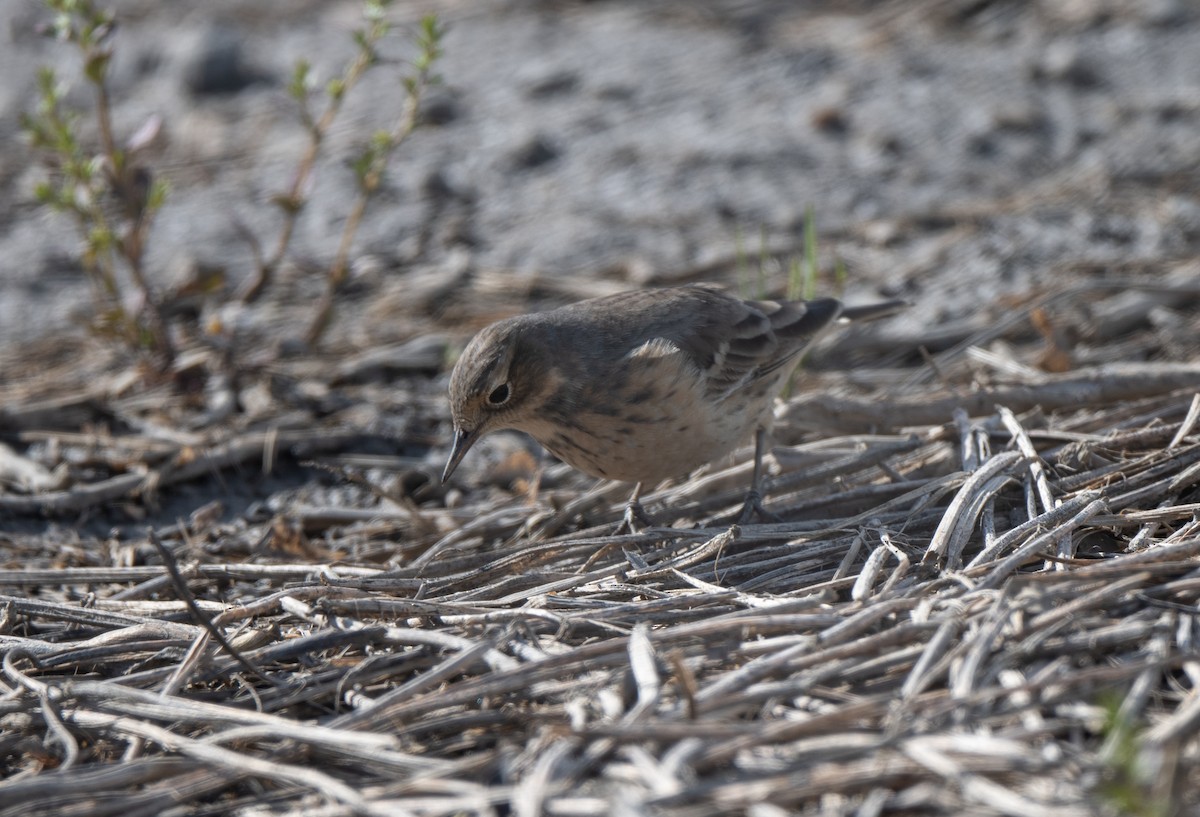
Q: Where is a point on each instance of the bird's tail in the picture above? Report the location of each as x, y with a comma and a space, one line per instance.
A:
870, 312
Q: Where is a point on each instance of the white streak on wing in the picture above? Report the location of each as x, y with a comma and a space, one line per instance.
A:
665, 365
655, 347
719, 356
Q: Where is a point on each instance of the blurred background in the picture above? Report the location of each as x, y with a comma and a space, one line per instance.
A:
955, 153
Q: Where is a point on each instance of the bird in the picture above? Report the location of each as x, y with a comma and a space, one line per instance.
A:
640, 386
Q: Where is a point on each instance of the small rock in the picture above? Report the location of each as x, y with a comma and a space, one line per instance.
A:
554, 85
535, 153
219, 66
830, 119
439, 109
1062, 62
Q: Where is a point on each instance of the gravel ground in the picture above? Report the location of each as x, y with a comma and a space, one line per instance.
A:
952, 152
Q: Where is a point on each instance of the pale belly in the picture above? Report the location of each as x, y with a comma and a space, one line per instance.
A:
669, 431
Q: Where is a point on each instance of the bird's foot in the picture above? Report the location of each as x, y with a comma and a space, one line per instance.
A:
635, 519
753, 508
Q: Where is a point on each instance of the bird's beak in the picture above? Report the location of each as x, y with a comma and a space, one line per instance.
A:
463, 440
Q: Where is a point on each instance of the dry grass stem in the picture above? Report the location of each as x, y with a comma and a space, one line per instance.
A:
981, 600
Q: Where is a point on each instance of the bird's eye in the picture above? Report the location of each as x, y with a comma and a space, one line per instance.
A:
499, 395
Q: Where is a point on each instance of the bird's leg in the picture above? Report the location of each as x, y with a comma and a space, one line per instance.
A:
635, 517
753, 506
634, 520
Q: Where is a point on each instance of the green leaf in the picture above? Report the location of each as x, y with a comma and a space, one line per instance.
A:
373, 10
811, 266
157, 196
795, 280
93, 168
362, 164
64, 28
764, 260
44, 192
431, 31
96, 66
301, 78
47, 81
840, 274
101, 239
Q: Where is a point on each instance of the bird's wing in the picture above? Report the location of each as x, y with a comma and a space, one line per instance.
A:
732, 342
769, 336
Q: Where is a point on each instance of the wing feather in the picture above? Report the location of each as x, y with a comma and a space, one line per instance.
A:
728, 341
768, 336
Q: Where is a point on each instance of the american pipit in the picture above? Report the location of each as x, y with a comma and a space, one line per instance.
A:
640, 386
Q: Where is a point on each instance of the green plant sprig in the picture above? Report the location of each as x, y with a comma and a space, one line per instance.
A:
83, 185
301, 88
372, 163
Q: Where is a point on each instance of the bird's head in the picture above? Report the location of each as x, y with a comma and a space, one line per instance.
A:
503, 378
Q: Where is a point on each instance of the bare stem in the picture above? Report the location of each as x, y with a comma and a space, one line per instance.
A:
373, 166
294, 200
133, 199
